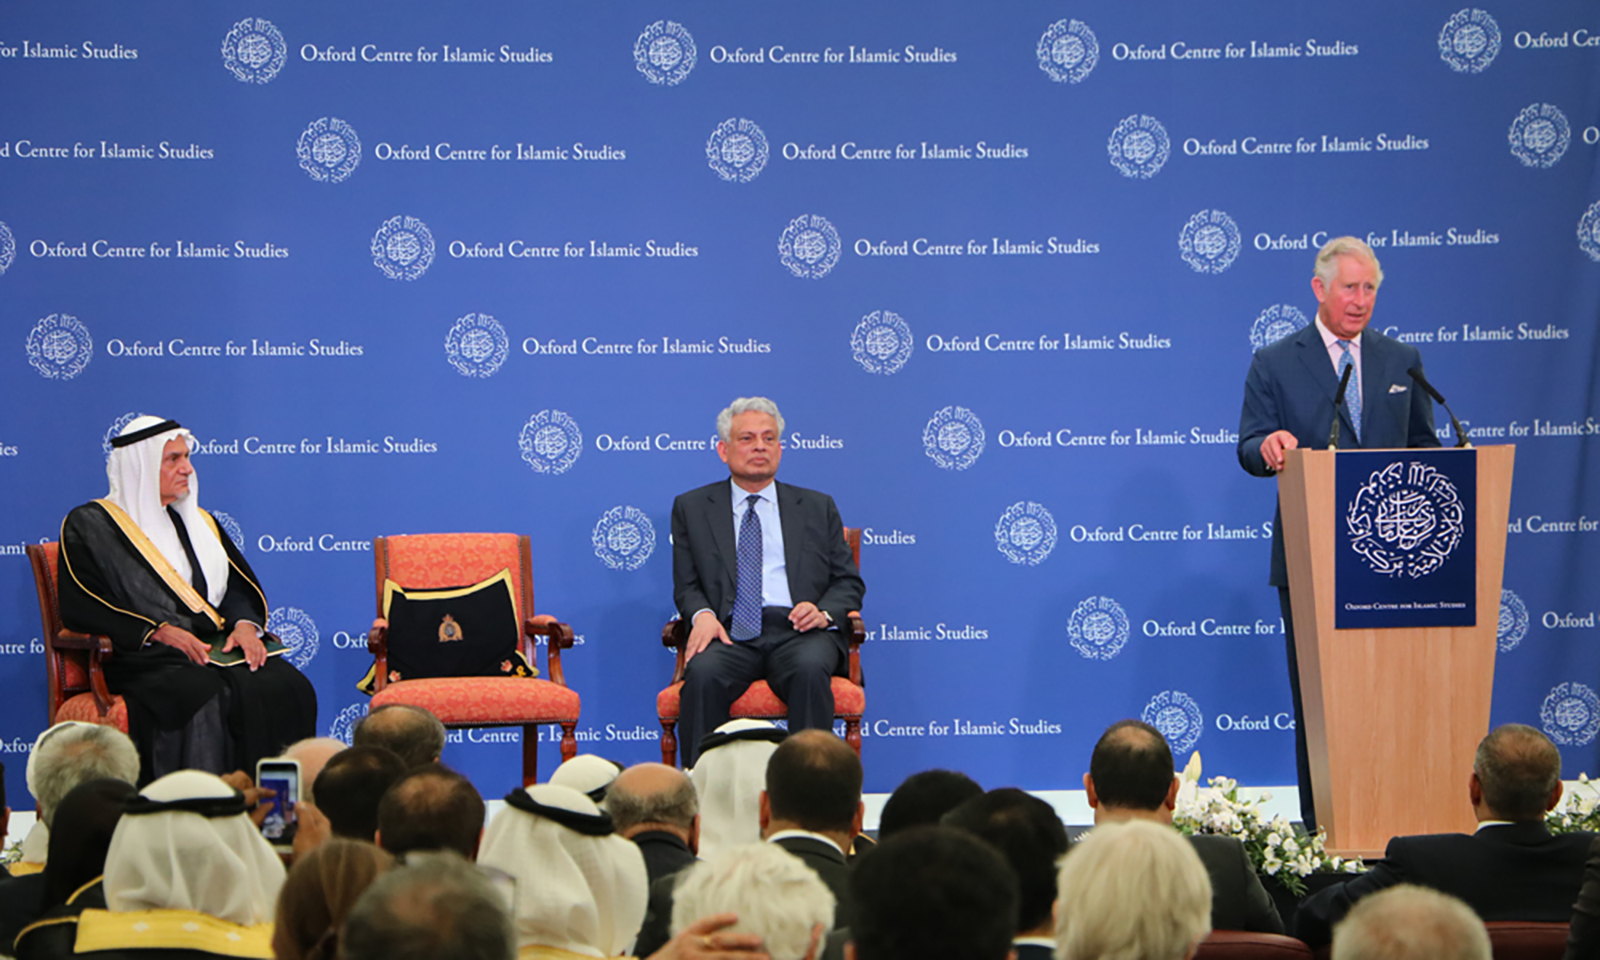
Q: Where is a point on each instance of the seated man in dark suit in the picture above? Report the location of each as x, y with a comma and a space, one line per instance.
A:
655, 806
1032, 838
932, 893
763, 577
1511, 868
811, 808
1131, 778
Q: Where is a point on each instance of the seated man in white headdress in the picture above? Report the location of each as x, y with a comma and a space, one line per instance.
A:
151, 570
187, 876
580, 888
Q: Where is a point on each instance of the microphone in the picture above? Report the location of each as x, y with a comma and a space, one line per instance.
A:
1461, 436
1338, 400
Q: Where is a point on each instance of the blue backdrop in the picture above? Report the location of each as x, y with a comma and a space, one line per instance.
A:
412, 267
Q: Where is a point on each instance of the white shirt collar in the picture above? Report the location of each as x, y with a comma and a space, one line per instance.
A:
1330, 340
768, 493
807, 834
1491, 823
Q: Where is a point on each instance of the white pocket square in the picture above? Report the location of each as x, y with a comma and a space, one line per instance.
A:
1397, 388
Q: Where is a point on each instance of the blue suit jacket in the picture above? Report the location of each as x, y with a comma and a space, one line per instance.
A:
1291, 387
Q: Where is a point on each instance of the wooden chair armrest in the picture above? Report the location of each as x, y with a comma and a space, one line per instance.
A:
95, 644
674, 636
558, 636
378, 646
857, 636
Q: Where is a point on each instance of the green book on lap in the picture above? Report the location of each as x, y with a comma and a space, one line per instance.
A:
235, 656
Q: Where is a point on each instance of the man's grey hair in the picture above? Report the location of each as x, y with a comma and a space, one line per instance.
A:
774, 893
1518, 768
78, 754
677, 806
436, 907
413, 733
1132, 889
746, 405
1328, 259
1411, 923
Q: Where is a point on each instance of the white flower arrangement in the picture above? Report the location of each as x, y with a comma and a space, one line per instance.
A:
1579, 809
1272, 844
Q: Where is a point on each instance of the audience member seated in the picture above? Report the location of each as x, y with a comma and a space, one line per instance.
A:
923, 798
773, 893
1135, 891
1131, 778
729, 776
317, 897
312, 754
1411, 923
351, 785
580, 888
187, 875
932, 893
412, 732
1512, 868
431, 808
1032, 838
811, 808
436, 907
1583, 940
87, 819
65, 756
655, 806
588, 774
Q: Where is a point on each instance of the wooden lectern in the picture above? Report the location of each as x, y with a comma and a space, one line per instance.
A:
1393, 717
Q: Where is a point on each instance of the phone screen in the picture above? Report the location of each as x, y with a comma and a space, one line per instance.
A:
283, 778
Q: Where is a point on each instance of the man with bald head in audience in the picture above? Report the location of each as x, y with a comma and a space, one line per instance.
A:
1131, 778
656, 807
431, 808
1510, 868
413, 733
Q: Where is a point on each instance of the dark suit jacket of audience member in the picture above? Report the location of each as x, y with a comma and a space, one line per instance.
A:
1238, 900
1583, 942
1513, 871
21, 902
52, 934
824, 858
665, 853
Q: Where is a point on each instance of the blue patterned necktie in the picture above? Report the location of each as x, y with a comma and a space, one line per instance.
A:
1352, 393
747, 588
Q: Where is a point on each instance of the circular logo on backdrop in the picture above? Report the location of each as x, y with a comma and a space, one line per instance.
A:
476, 346
8, 248
1589, 231
343, 727
1177, 716
1026, 533
953, 439
59, 347
1540, 135
881, 343
1513, 625
1275, 323
1469, 41
329, 150
1139, 146
297, 632
664, 53
229, 526
116, 428
737, 150
1405, 520
809, 246
1068, 51
1570, 715
624, 538
1098, 628
402, 248
1209, 242
550, 442
254, 50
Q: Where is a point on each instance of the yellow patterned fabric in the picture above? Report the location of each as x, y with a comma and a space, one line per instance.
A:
171, 930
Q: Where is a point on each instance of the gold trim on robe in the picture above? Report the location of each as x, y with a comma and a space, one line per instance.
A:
171, 930
186, 592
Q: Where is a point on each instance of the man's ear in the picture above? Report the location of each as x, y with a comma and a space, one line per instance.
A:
694, 835
1474, 788
860, 818
1555, 796
1088, 787
766, 812
1171, 801
477, 844
849, 950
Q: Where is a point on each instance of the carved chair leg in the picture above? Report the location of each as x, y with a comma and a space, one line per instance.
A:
530, 754
569, 740
669, 742
852, 734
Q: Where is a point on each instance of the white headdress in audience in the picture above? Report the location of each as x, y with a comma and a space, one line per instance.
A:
134, 470
580, 887
729, 778
186, 844
588, 774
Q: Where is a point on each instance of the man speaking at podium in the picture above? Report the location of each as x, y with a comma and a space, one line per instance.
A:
1289, 402
763, 576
